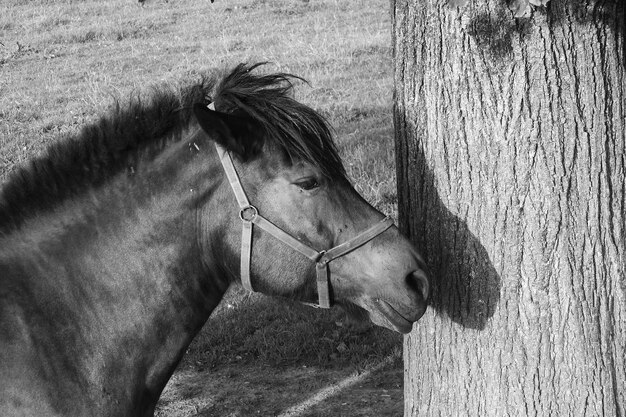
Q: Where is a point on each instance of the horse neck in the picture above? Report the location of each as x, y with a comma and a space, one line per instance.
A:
125, 265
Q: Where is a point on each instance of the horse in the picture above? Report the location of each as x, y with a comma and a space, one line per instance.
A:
119, 241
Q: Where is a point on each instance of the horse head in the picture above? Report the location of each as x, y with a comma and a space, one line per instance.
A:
307, 233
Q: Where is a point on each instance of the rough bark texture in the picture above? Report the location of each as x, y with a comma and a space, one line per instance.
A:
510, 136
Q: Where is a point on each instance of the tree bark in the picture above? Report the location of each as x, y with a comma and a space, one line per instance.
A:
510, 143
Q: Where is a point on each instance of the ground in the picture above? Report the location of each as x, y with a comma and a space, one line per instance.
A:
250, 389
252, 358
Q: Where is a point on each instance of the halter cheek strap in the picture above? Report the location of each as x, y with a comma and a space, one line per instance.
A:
250, 216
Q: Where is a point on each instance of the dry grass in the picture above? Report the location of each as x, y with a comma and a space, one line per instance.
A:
63, 62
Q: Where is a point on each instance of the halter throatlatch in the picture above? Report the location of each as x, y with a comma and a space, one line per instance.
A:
249, 216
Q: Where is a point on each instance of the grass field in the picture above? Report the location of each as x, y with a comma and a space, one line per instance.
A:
63, 62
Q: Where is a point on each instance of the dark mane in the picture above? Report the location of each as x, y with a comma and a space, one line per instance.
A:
99, 151
110, 145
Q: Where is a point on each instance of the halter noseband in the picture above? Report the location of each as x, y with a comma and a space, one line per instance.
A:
249, 215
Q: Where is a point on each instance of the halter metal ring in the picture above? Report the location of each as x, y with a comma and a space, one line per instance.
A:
248, 214
320, 259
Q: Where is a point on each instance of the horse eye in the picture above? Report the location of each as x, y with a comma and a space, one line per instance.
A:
308, 184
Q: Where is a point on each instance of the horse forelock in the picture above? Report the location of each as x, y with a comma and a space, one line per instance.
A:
300, 131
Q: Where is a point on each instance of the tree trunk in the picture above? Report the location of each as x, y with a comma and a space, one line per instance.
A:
510, 140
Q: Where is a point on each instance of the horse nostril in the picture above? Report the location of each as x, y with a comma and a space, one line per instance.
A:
418, 282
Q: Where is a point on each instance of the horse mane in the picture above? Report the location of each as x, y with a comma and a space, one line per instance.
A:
75, 163
110, 145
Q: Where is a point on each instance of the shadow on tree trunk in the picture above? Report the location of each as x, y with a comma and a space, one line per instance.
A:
465, 285
494, 30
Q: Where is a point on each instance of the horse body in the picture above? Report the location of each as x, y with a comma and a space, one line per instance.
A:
98, 307
114, 252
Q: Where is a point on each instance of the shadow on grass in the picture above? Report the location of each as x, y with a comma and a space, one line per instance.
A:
253, 328
257, 389
259, 355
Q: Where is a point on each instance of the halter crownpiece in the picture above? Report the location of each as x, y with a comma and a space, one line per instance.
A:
249, 215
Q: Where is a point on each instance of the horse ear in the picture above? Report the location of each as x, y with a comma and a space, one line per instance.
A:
239, 135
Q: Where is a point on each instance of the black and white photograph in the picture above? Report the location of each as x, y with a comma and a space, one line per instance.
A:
312, 208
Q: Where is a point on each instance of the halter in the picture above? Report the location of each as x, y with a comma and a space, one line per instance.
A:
249, 216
